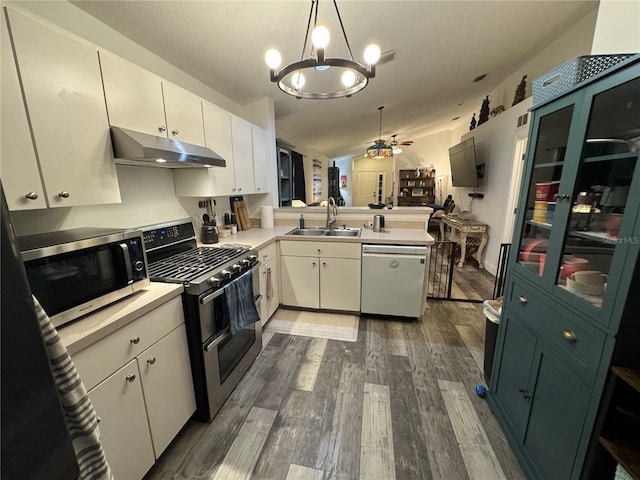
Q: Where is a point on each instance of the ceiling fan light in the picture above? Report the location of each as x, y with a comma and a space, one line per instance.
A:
397, 150
348, 78
320, 37
273, 58
372, 54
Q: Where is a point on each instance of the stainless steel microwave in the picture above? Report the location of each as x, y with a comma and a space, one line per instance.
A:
75, 272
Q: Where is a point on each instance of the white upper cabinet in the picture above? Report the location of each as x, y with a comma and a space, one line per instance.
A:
134, 96
19, 167
184, 114
260, 159
230, 137
64, 99
242, 155
141, 101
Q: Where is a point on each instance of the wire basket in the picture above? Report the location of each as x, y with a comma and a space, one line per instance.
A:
560, 80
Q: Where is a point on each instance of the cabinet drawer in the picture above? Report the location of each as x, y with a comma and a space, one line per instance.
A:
98, 361
320, 249
578, 342
267, 253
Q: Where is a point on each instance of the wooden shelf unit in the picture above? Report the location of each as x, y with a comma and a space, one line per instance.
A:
620, 427
417, 187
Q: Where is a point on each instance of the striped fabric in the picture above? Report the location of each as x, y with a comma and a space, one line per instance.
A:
81, 418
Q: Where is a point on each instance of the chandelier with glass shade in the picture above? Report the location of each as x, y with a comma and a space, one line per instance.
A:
380, 149
319, 77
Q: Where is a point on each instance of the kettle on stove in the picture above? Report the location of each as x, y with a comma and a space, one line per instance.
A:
378, 223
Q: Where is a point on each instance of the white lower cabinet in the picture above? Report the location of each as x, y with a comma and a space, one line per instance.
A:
124, 430
144, 403
168, 388
324, 275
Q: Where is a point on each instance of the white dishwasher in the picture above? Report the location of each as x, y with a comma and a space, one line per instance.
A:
393, 279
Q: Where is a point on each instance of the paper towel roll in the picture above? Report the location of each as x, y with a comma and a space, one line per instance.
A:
266, 216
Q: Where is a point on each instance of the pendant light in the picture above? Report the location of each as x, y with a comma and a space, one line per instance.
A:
380, 149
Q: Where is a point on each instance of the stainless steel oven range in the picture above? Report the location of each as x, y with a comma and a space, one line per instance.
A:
218, 358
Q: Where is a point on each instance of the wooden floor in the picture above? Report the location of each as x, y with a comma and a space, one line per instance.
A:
399, 403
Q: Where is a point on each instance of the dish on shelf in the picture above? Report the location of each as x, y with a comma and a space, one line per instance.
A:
571, 264
576, 283
376, 206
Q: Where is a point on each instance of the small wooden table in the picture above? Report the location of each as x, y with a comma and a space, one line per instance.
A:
465, 228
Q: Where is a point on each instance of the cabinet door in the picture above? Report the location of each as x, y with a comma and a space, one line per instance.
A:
124, 430
183, 111
134, 96
556, 419
300, 281
340, 284
599, 231
260, 159
550, 169
19, 168
242, 155
168, 387
512, 387
217, 132
65, 103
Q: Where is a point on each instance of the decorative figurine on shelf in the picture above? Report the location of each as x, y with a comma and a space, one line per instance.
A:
496, 111
473, 122
484, 111
520, 91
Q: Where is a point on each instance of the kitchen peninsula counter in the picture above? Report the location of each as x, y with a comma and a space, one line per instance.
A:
259, 238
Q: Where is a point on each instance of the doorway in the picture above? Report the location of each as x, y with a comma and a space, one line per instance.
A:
369, 187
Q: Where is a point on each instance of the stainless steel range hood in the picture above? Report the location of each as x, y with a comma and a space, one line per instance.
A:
137, 148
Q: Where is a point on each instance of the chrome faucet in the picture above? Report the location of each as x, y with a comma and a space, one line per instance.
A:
330, 222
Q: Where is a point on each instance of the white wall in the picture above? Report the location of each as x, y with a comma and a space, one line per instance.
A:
495, 143
617, 27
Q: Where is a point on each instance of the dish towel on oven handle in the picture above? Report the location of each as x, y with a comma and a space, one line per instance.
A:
240, 305
81, 418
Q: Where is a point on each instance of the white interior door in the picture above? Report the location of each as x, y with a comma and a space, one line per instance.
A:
514, 188
369, 187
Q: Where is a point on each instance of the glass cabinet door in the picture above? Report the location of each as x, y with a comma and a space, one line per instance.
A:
548, 161
607, 166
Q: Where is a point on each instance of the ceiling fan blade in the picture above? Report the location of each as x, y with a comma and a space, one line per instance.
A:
407, 143
386, 57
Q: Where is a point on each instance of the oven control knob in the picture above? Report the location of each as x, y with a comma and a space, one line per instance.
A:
139, 266
214, 281
226, 273
246, 262
253, 258
236, 267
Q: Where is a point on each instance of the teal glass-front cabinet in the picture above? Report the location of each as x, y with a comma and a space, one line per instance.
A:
570, 282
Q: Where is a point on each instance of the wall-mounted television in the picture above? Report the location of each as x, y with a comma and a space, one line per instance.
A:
464, 171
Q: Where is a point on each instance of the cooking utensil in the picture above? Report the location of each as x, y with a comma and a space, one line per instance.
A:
206, 219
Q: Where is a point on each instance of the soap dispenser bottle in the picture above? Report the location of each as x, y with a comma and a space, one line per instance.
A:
301, 221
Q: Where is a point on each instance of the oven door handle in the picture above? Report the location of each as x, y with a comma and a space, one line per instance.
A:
216, 341
211, 297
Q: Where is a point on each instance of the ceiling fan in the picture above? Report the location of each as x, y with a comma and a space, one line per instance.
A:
395, 144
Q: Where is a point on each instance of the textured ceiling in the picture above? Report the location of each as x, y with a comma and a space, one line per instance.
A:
441, 47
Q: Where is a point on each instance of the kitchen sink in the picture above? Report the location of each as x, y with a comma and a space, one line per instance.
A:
323, 232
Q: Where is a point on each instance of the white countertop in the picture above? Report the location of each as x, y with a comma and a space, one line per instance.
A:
258, 238
91, 328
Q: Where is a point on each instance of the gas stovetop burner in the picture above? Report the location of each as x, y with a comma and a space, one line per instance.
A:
173, 257
189, 265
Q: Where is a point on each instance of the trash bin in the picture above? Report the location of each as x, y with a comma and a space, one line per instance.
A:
492, 311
